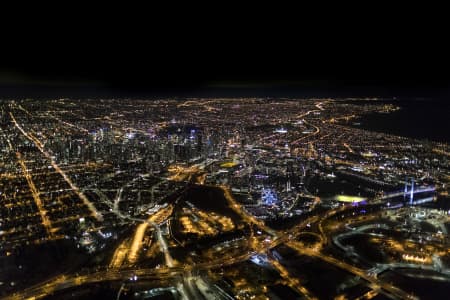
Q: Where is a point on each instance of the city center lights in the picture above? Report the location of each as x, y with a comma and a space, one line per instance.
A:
219, 198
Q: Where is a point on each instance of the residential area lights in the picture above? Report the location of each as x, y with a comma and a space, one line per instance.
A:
218, 198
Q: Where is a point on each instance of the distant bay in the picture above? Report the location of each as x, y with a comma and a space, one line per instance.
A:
425, 119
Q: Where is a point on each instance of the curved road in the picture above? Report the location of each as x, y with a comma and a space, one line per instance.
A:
66, 281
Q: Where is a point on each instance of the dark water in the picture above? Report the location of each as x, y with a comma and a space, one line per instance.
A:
427, 119
423, 288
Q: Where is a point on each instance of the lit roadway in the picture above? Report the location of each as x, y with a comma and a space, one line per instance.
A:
317, 129
174, 271
171, 271
162, 241
281, 238
64, 282
294, 283
416, 191
75, 188
389, 288
36, 196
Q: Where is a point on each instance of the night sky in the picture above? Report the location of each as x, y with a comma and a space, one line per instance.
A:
247, 64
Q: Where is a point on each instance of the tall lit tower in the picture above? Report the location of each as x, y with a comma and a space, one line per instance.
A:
411, 195
288, 186
411, 192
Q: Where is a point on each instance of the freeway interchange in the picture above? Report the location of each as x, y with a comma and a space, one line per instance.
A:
176, 272
112, 176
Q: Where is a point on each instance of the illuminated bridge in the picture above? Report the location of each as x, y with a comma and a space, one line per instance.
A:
410, 194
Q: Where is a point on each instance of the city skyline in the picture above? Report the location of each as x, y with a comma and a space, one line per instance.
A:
222, 198
224, 164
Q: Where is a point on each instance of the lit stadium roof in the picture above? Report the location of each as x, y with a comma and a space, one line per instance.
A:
345, 198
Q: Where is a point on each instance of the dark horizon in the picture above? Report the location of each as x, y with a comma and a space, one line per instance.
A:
218, 69
226, 88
